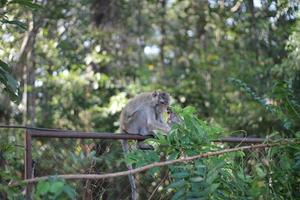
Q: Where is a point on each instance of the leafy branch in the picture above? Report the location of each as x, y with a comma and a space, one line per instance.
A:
159, 164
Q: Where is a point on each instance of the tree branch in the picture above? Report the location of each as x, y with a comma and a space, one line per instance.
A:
158, 164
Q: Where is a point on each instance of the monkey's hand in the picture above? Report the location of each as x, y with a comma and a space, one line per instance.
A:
154, 125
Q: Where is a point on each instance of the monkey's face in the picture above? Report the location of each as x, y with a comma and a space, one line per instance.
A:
164, 99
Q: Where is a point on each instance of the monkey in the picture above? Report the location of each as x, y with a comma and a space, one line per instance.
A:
142, 115
172, 117
162, 106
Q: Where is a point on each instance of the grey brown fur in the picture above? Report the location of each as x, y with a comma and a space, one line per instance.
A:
142, 115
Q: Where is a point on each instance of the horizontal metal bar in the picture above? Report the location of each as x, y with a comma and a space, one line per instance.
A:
13, 126
85, 135
241, 140
58, 133
94, 135
29, 127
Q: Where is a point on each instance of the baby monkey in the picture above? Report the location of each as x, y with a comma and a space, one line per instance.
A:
172, 117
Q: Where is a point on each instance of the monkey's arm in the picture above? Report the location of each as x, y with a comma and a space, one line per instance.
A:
155, 124
159, 117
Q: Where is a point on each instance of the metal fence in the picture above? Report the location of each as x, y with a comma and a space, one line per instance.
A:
46, 153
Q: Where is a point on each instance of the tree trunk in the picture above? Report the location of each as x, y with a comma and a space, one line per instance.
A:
140, 32
25, 72
162, 32
254, 36
200, 27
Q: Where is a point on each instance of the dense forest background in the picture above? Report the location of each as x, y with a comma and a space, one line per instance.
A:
74, 64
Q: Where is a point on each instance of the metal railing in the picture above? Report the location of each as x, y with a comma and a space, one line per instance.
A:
33, 132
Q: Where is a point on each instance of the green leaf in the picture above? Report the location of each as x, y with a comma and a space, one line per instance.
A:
197, 179
189, 110
42, 188
179, 194
211, 176
15, 22
27, 3
5, 66
11, 86
180, 175
71, 193
260, 172
160, 138
12, 83
56, 187
173, 156
176, 184
2, 3
213, 187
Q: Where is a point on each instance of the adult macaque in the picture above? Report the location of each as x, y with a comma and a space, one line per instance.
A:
142, 115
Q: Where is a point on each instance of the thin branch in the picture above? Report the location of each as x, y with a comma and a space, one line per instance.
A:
236, 6
159, 164
158, 185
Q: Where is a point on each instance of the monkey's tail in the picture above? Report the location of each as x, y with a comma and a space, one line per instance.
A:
134, 194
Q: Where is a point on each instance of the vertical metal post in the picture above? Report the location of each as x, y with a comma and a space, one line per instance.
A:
28, 162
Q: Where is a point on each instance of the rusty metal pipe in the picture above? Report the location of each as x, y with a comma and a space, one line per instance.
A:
85, 135
241, 140
28, 162
57, 133
32, 132
113, 136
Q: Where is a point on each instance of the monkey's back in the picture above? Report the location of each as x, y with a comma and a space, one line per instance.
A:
132, 107
137, 102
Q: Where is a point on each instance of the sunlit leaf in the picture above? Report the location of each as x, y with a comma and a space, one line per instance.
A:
42, 188
11, 86
56, 187
27, 3
15, 22
177, 184
197, 179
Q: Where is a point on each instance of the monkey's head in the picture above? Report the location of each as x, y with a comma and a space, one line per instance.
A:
163, 98
172, 117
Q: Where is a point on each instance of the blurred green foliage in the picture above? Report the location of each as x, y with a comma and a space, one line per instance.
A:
238, 175
54, 189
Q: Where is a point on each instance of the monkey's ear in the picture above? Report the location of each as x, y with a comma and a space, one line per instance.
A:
155, 93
